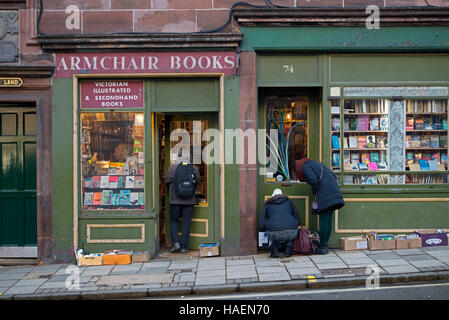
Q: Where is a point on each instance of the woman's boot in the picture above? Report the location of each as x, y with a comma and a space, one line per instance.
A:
322, 249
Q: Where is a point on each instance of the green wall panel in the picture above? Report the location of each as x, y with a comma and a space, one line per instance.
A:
347, 39
186, 94
288, 69
389, 68
62, 138
394, 215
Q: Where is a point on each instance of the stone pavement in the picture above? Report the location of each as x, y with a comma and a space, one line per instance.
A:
184, 274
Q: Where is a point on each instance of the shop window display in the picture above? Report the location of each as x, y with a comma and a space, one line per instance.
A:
417, 130
113, 160
289, 116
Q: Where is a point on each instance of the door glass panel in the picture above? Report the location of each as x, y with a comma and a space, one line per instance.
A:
29, 124
288, 116
9, 167
194, 144
9, 124
113, 160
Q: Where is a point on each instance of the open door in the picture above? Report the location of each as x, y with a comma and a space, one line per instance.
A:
203, 228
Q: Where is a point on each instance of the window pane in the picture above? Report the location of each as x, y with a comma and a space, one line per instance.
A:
113, 160
288, 116
365, 140
9, 124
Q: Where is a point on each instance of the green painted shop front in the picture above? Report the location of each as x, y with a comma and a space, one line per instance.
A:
170, 102
340, 67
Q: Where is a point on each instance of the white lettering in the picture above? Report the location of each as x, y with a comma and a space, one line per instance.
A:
74, 63
73, 20
216, 62
230, 61
102, 61
201, 62
175, 60
88, 65
152, 63
132, 64
62, 64
192, 64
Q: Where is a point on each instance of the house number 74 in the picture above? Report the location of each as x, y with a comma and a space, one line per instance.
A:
288, 68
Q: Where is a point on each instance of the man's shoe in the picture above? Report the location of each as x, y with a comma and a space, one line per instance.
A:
176, 247
288, 250
274, 252
184, 250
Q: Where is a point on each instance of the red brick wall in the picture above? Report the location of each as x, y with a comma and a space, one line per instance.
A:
107, 16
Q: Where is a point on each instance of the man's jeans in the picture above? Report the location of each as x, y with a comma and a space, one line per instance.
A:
185, 212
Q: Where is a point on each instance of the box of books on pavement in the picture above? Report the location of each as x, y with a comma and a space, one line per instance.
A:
408, 241
138, 257
354, 243
378, 241
432, 237
88, 259
115, 257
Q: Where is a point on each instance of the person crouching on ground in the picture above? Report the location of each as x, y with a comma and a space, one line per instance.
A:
280, 219
328, 196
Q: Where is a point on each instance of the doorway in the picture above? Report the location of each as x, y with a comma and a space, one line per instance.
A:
169, 128
18, 220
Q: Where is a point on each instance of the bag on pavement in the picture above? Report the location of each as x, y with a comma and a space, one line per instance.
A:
303, 244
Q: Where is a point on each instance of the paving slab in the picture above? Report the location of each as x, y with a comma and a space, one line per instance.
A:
182, 266
55, 284
326, 259
11, 276
115, 280
399, 269
30, 283
239, 262
326, 266
407, 252
280, 276
392, 262
210, 280
20, 290
420, 257
308, 264
211, 273
97, 270
156, 264
267, 262
7, 283
270, 269
427, 263
153, 270
303, 271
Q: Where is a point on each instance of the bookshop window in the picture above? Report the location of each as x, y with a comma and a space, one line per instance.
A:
287, 136
113, 161
418, 133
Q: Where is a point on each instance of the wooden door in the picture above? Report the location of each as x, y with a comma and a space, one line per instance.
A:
18, 176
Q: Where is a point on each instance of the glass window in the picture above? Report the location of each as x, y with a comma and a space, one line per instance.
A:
426, 140
393, 136
288, 117
113, 160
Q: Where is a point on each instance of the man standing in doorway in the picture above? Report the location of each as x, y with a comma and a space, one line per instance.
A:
182, 178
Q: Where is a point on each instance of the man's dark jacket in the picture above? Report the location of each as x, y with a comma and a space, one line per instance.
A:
278, 213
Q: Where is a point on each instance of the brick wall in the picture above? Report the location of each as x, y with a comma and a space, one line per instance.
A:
108, 16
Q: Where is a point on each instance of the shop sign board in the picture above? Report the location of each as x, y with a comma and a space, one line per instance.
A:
11, 82
155, 62
110, 94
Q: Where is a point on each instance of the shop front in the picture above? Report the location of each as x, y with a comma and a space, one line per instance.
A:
370, 104
119, 120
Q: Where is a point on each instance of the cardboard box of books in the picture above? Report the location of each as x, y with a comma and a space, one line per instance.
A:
115, 257
90, 260
381, 241
432, 237
353, 243
408, 241
209, 249
138, 257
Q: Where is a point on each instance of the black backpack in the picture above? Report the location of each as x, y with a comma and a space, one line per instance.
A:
185, 182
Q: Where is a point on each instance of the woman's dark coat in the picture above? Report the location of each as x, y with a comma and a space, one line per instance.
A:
329, 194
279, 213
